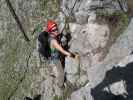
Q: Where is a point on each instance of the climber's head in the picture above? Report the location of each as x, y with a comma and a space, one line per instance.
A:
52, 27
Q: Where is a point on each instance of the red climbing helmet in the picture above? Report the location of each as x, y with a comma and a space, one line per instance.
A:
50, 25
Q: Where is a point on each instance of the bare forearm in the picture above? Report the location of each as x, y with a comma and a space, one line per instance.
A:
65, 52
58, 47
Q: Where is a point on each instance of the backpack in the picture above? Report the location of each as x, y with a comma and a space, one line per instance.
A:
43, 45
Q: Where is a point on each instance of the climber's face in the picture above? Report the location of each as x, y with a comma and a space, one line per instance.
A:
55, 31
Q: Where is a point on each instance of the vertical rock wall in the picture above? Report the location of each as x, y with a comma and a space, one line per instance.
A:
15, 52
94, 26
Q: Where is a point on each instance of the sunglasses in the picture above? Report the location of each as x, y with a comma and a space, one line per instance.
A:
54, 30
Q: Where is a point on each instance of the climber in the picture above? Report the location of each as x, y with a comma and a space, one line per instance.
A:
54, 41
56, 49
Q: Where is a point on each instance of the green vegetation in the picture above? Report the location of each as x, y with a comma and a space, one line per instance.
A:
120, 25
57, 98
68, 91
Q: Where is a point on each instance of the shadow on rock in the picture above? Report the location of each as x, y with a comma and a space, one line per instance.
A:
37, 97
115, 75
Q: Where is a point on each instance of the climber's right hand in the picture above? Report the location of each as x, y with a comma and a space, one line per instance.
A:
72, 55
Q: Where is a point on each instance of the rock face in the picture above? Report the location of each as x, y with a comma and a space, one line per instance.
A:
109, 79
82, 10
88, 40
102, 69
16, 75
